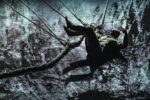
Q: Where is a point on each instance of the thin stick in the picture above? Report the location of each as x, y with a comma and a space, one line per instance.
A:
35, 23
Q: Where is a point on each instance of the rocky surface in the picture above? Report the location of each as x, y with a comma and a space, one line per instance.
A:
23, 44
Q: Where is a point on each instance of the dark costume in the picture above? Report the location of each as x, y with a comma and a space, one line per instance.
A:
96, 56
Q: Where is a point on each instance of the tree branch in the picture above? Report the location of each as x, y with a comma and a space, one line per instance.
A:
52, 63
30, 69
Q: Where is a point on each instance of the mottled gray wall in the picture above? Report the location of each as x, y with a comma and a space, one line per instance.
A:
40, 48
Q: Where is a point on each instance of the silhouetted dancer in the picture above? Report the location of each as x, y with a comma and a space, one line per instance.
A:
99, 49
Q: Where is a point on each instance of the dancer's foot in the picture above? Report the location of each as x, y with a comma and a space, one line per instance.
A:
69, 31
69, 24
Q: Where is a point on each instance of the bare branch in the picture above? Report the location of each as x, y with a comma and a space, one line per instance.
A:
52, 63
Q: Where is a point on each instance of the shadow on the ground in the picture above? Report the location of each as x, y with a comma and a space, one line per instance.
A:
94, 95
97, 95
